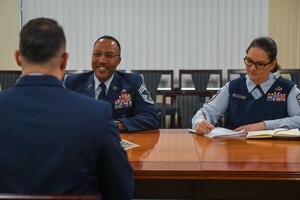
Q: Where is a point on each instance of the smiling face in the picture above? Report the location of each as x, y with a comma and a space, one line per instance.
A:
259, 57
105, 58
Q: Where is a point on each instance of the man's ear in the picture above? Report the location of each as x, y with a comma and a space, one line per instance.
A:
63, 64
119, 60
18, 57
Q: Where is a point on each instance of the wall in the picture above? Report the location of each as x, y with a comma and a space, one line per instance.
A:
160, 34
284, 27
9, 23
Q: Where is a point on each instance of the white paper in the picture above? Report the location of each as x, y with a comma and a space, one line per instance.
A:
224, 132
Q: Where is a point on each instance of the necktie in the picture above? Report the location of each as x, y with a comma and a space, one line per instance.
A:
259, 88
102, 93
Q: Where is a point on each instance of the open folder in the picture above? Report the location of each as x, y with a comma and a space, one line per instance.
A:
276, 133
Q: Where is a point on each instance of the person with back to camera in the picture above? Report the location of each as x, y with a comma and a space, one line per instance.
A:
258, 100
133, 107
54, 141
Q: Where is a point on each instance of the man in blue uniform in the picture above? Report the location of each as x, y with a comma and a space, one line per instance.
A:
133, 108
54, 141
257, 101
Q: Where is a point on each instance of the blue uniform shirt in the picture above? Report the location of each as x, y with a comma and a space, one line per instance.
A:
220, 103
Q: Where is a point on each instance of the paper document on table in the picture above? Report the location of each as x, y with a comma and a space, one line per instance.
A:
221, 132
224, 132
191, 130
127, 145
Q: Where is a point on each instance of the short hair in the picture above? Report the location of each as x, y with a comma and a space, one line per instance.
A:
41, 39
108, 37
269, 46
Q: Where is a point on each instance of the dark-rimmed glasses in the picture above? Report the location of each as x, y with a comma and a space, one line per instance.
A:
259, 65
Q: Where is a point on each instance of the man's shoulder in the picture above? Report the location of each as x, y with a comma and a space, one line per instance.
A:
86, 100
75, 81
78, 76
131, 78
285, 81
127, 75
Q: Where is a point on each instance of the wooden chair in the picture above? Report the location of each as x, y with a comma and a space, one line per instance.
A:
49, 197
235, 73
8, 78
186, 103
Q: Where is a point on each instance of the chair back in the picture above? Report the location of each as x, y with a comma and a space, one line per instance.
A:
8, 78
235, 73
186, 104
199, 80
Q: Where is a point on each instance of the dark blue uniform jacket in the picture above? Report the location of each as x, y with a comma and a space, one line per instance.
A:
131, 102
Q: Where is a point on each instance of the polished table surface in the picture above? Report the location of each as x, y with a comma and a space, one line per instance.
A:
174, 154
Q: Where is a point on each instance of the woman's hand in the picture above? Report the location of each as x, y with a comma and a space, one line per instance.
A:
203, 127
252, 127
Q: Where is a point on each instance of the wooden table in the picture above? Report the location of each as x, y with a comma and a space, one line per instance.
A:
173, 163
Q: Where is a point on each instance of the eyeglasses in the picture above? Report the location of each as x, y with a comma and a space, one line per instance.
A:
106, 55
259, 65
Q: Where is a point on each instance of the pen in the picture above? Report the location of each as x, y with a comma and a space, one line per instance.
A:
204, 115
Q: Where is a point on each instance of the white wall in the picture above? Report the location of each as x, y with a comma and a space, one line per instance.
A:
159, 34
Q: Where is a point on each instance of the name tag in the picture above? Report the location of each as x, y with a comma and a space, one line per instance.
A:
239, 96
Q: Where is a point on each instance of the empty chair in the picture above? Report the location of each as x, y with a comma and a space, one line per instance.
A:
235, 73
8, 78
186, 104
200, 80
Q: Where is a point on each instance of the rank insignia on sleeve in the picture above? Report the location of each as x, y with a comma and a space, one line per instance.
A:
145, 95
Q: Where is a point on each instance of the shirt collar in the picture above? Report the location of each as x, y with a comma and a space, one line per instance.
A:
107, 83
265, 86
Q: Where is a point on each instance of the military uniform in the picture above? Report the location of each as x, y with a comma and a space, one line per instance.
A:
276, 102
131, 102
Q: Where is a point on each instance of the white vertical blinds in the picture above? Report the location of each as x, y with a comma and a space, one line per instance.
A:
158, 34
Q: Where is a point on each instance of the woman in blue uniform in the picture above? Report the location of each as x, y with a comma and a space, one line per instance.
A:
259, 100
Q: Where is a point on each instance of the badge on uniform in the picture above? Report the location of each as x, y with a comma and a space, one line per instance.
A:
276, 97
278, 88
239, 96
124, 101
145, 95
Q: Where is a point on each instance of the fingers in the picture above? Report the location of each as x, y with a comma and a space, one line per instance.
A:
241, 128
204, 127
252, 127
